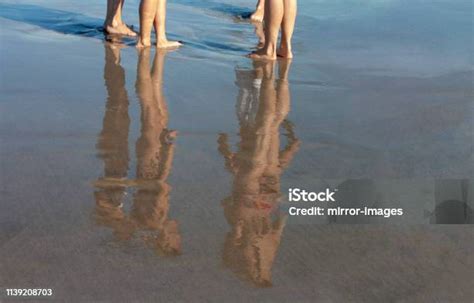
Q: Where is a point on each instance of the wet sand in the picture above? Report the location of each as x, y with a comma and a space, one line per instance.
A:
145, 176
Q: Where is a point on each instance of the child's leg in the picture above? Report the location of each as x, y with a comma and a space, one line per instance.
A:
160, 27
259, 11
147, 16
274, 10
287, 27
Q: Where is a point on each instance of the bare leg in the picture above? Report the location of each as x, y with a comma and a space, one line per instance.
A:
287, 27
113, 21
257, 16
147, 16
160, 27
122, 26
110, 4
274, 10
260, 34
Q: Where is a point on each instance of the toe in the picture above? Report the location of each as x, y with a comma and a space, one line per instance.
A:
169, 45
251, 55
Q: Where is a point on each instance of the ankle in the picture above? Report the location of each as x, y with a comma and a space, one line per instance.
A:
270, 49
116, 21
161, 39
144, 40
286, 45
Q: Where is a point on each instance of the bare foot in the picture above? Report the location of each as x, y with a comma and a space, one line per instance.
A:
127, 30
119, 29
166, 44
257, 16
284, 52
262, 54
142, 43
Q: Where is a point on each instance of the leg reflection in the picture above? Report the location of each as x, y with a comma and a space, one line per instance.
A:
112, 147
251, 209
155, 150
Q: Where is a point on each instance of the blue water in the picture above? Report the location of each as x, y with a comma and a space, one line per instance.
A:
390, 32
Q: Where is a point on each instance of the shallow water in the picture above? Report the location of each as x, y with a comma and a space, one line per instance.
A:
146, 176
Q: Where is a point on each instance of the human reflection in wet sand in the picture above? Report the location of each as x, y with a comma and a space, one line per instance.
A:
252, 208
112, 148
154, 149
